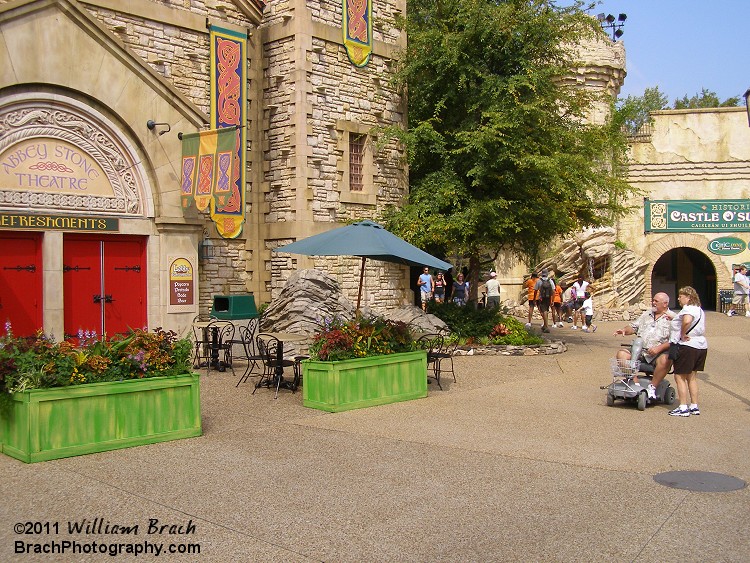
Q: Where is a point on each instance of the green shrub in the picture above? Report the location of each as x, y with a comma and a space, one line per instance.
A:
483, 325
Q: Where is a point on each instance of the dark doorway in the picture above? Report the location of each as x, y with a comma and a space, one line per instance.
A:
685, 266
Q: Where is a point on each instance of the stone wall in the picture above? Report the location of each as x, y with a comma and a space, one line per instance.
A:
315, 100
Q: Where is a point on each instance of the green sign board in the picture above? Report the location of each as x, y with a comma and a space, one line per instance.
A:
697, 215
727, 246
41, 222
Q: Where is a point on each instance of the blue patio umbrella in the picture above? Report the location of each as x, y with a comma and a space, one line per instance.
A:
365, 239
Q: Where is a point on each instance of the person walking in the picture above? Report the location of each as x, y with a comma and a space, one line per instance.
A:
530, 284
439, 293
557, 305
492, 287
578, 290
688, 350
741, 291
426, 284
588, 312
460, 290
544, 289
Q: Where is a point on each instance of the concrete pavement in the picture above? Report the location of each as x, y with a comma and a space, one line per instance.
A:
520, 460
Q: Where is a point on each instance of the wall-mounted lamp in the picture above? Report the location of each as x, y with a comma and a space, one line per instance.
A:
205, 248
747, 105
151, 124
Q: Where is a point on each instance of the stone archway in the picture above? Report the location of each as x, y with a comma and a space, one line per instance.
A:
673, 241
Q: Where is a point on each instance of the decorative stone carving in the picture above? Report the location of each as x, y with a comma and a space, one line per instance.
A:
47, 119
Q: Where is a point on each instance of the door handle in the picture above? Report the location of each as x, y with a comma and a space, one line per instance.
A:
107, 298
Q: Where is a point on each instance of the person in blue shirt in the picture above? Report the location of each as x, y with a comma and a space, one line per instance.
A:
426, 285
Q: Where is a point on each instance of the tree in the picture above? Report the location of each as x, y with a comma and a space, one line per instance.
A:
706, 99
500, 154
635, 111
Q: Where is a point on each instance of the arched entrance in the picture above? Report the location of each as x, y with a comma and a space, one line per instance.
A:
685, 266
679, 259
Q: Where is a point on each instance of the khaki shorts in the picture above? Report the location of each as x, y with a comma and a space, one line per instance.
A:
739, 299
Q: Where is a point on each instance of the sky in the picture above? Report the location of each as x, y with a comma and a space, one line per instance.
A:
683, 46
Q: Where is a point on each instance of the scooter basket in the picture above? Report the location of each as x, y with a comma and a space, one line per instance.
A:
624, 368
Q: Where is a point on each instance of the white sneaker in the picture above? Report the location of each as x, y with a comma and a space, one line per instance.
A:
560, 325
651, 391
747, 313
575, 327
584, 329
527, 325
730, 313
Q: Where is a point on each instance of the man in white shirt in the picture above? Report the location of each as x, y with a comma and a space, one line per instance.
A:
741, 290
493, 291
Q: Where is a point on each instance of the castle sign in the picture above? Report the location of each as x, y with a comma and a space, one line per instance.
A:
697, 215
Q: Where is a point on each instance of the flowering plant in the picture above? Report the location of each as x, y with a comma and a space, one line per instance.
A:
342, 340
39, 362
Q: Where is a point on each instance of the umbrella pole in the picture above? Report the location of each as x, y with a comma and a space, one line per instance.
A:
361, 279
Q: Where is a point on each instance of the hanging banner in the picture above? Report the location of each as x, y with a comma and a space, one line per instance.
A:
697, 215
228, 109
207, 162
357, 27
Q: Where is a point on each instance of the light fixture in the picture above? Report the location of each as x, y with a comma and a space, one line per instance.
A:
205, 248
608, 22
151, 124
747, 105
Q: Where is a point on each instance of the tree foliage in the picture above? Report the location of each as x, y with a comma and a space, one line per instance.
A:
500, 154
635, 111
706, 99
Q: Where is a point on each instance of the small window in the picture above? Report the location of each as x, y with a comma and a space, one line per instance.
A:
356, 162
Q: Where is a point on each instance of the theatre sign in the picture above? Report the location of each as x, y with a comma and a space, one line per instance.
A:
697, 215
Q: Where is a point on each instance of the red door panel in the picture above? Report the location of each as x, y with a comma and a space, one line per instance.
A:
21, 301
124, 285
105, 284
81, 283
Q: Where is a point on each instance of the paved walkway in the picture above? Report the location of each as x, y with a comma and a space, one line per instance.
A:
520, 460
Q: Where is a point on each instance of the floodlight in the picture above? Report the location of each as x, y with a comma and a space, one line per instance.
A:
608, 22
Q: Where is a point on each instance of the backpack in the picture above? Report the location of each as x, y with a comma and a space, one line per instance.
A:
545, 291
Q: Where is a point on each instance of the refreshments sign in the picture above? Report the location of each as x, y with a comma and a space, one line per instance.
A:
698, 215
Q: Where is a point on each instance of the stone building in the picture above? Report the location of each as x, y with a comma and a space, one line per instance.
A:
94, 98
692, 220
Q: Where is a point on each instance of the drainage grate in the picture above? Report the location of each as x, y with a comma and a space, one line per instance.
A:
700, 481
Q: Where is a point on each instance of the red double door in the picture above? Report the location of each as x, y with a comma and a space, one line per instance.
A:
104, 284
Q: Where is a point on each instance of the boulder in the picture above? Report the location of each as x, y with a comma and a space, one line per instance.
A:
418, 320
308, 298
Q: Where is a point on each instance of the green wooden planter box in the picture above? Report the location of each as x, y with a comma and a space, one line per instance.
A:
44, 424
364, 382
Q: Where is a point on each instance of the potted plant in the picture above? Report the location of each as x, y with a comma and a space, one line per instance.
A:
71, 398
361, 363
